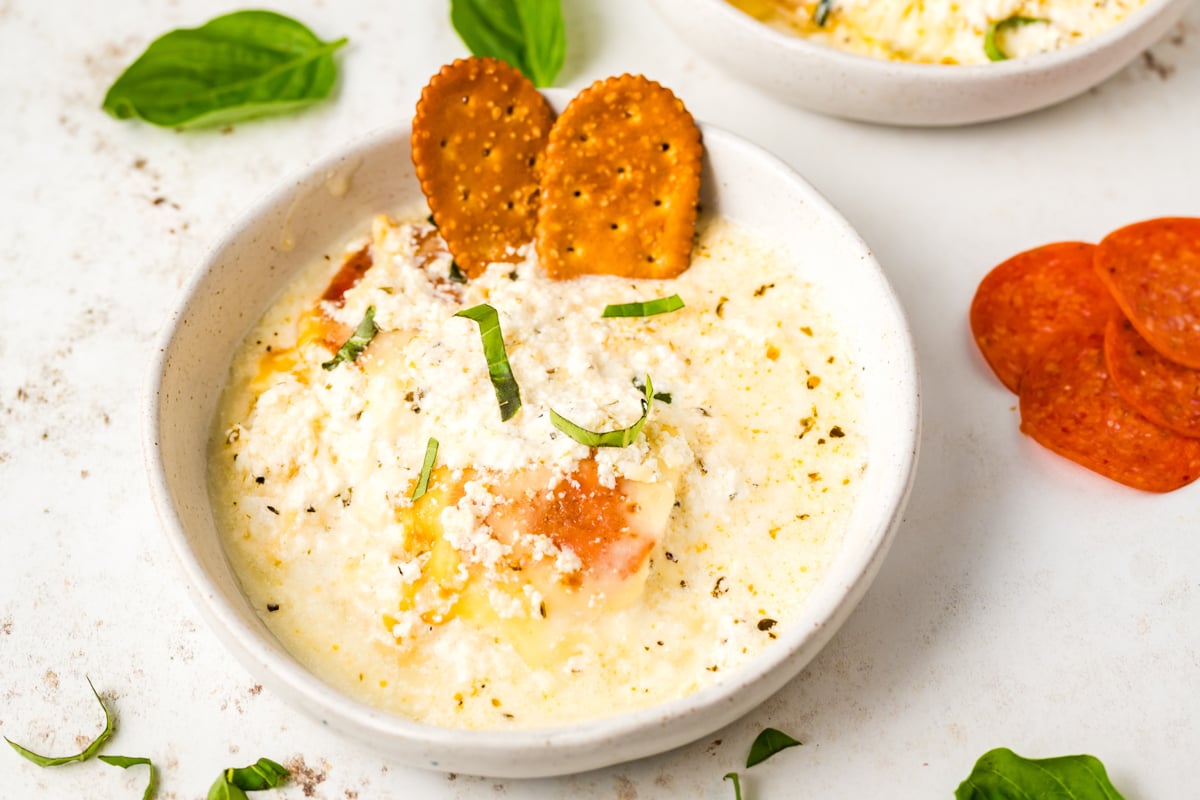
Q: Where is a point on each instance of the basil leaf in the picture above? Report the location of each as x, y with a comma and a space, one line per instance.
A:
223, 790
821, 12
88, 752
232, 68
125, 762
233, 783
263, 774
618, 438
767, 744
737, 784
456, 273
508, 394
431, 448
649, 308
528, 34
993, 51
1001, 774
358, 341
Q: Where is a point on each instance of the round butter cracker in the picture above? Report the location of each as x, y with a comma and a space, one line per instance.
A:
479, 132
620, 183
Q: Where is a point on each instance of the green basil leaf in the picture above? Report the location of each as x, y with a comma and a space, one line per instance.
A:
990, 47
737, 784
232, 68
125, 762
528, 34
1001, 774
821, 12
358, 341
263, 774
456, 273
88, 752
767, 744
508, 394
618, 438
649, 308
431, 448
224, 790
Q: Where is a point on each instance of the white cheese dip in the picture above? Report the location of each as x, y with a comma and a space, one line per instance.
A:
942, 31
539, 581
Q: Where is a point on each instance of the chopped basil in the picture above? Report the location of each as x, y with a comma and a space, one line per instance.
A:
88, 752
649, 308
1001, 774
618, 438
990, 47
431, 449
456, 273
232, 68
737, 784
821, 12
125, 762
234, 782
662, 397
767, 744
357, 342
528, 34
508, 394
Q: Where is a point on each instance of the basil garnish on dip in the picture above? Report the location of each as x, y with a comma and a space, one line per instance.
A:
232, 68
648, 308
431, 448
1001, 774
528, 34
358, 341
618, 438
125, 762
990, 47
508, 394
821, 12
88, 752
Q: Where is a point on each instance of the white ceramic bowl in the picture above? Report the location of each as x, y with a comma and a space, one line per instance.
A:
296, 224
844, 84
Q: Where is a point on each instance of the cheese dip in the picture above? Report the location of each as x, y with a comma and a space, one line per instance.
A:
941, 31
537, 581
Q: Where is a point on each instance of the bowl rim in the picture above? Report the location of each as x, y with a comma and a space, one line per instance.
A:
719, 702
1036, 64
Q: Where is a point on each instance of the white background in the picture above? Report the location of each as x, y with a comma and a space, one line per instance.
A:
1026, 603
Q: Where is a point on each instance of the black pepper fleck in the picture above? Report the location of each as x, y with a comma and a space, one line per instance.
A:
272, 606
766, 623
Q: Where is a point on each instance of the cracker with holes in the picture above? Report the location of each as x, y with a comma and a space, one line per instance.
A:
620, 183
478, 134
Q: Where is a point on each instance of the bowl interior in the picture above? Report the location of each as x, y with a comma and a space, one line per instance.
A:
313, 215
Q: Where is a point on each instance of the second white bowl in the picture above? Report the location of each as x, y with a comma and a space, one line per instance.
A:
844, 84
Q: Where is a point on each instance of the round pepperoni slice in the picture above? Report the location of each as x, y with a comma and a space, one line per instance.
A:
1165, 392
1032, 298
1069, 405
1153, 271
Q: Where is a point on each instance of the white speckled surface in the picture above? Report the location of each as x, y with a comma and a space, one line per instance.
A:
1025, 603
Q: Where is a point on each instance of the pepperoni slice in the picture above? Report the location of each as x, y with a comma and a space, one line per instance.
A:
1033, 297
1069, 405
1152, 269
1165, 392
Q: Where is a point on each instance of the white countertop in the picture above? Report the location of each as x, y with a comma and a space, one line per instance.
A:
1026, 602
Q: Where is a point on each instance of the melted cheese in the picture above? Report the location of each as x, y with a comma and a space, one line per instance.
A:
537, 581
941, 31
